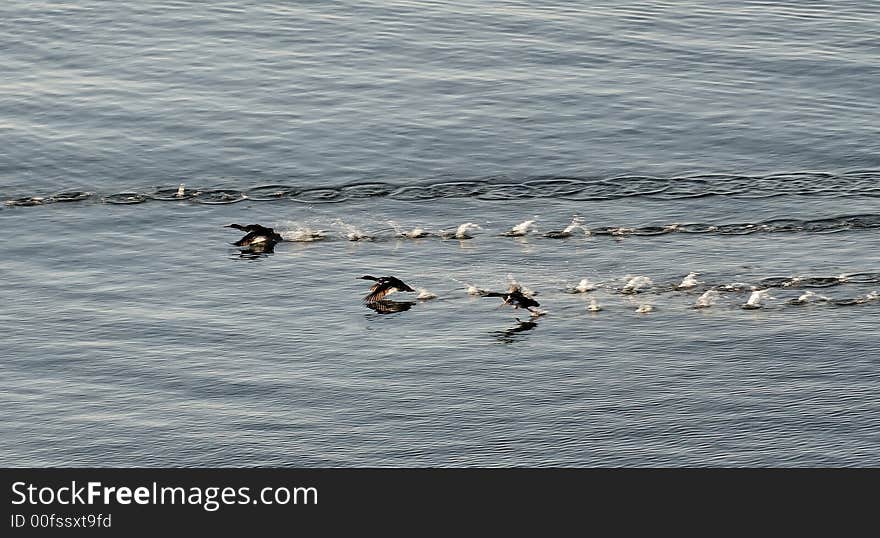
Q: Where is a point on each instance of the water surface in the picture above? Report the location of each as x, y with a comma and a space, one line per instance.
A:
737, 140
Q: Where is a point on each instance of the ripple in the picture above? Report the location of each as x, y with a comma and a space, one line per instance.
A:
855, 183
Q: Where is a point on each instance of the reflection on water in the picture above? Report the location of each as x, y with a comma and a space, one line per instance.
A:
508, 335
255, 252
387, 306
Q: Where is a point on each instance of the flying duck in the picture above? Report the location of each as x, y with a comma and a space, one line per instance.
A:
257, 235
384, 285
515, 297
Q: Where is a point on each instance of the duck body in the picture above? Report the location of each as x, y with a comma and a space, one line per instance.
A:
384, 285
257, 235
515, 297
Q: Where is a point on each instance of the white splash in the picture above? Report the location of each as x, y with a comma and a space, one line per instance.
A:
594, 306
305, 235
707, 299
576, 223
736, 286
520, 229
690, 281
755, 299
809, 297
180, 191
636, 284
584, 286
513, 285
645, 308
425, 295
415, 233
462, 232
357, 235
351, 232
872, 296
473, 290
621, 231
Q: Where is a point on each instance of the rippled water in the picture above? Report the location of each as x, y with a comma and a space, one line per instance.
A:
734, 140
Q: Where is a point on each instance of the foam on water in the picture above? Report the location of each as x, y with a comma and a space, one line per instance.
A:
424, 295
351, 232
690, 281
755, 299
707, 299
636, 284
584, 286
520, 229
809, 297
462, 232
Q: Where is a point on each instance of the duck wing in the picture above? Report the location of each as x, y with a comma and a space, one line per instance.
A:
247, 239
378, 291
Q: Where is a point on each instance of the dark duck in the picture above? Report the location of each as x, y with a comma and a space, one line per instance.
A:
257, 236
515, 297
384, 286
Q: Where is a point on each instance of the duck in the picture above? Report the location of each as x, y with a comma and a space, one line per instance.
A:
257, 235
384, 285
515, 297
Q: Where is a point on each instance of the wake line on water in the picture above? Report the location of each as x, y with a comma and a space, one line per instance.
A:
851, 183
612, 297
640, 294
337, 229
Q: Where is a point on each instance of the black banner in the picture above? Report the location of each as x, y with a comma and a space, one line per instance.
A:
231, 501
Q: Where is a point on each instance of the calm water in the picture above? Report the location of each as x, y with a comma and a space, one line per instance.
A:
736, 140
